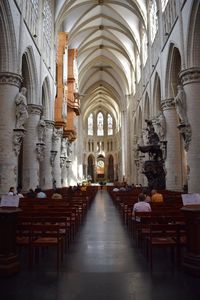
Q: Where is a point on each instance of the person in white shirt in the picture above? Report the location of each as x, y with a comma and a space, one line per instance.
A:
12, 191
141, 205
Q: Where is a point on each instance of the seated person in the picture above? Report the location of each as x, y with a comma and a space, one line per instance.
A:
147, 196
83, 188
40, 193
141, 205
12, 191
56, 195
31, 193
115, 189
19, 192
156, 197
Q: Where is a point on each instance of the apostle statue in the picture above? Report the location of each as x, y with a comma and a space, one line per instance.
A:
180, 103
21, 108
41, 130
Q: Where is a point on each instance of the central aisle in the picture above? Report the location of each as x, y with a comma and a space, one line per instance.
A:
103, 244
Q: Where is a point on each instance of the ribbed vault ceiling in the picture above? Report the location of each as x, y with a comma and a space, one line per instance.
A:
107, 35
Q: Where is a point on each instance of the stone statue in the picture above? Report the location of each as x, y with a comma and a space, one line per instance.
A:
63, 148
41, 129
153, 138
180, 103
160, 125
69, 150
21, 108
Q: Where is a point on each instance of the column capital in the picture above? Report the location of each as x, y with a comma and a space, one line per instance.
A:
50, 124
10, 78
190, 75
34, 109
167, 104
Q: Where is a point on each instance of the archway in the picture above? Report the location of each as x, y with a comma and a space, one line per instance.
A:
110, 172
90, 168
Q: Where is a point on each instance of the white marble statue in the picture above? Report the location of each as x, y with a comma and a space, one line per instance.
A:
180, 103
160, 124
41, 130
21, 108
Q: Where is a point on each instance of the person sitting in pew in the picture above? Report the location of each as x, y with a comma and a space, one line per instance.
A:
56, 195
40, 193
156, 197
141, 205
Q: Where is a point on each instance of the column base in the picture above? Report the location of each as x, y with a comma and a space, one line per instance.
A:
191, 264
9, 265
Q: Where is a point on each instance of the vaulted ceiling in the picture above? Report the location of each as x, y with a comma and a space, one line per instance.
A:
107, 35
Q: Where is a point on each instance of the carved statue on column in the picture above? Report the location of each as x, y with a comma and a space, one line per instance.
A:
180, 103
17, 140
21, 108
160, 124
181, 108
41, 130
69, 149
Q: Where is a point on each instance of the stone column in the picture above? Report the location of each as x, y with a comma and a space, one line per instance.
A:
9, 87
173, 160
56, 147
30, 154
191, 82
46, 179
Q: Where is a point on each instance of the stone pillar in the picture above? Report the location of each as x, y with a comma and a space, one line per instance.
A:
191, 82
30, 154
56, 147
173, 160
9, 87
45, 165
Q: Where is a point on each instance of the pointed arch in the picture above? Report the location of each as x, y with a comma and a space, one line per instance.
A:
146, 107
90, 167
29, 74
157, 94
46, 98
172, 71
8, 46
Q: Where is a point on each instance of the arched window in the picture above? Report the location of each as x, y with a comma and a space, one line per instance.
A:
110, 125
153, 19
90, 124
100, 131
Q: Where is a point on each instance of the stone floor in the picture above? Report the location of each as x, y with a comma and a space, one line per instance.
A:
102, 264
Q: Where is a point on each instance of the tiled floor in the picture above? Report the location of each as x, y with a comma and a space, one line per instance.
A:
102, 264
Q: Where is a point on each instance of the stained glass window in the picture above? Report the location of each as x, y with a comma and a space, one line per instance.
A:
100, 131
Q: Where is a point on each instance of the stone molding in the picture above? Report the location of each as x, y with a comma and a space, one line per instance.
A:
167, 104
34, 109
11, 79
190, 75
